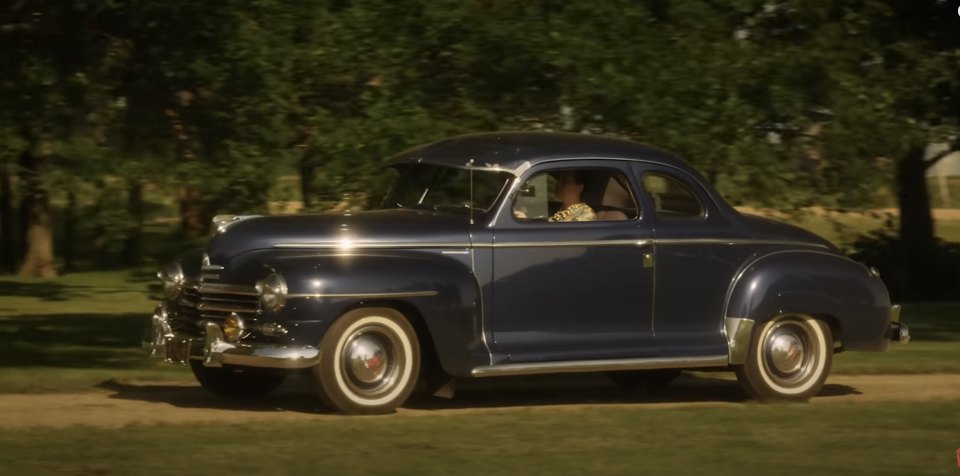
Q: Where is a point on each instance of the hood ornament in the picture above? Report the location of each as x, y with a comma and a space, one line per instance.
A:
207, 270
222, 222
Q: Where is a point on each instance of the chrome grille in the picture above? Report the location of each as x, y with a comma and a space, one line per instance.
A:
214, 302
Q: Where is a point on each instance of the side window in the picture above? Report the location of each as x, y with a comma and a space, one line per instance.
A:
534, 198
671, 198
576, 194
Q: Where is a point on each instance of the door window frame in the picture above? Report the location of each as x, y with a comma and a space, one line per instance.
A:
505, 216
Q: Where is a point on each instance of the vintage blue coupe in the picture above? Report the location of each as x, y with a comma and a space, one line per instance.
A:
467, 270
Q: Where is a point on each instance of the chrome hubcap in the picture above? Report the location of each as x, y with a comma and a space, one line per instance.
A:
786, 353
368, 359
790, 352
371, 361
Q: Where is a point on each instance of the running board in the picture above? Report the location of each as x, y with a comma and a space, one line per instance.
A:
608, 365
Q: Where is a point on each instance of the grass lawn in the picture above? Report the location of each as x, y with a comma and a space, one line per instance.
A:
843, 228
782, 439
84, 329
76, 332
934, 345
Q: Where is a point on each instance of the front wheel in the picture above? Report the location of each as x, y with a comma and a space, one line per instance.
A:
237, 382
790, 357
370, 360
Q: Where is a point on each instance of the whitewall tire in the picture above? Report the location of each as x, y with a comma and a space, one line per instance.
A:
369, 361
789, 358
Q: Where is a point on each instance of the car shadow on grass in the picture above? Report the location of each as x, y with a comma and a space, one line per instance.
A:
53, 291
298, 394
295, 395
74, 341
45, 290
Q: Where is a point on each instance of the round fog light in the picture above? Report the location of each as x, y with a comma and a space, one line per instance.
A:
233, 328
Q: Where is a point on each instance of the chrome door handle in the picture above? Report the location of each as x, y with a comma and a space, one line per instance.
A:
648, 259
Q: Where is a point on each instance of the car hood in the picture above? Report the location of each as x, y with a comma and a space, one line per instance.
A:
400, 228
765, 228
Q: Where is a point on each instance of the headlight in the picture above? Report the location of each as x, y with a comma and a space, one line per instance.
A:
273, 292
172, 277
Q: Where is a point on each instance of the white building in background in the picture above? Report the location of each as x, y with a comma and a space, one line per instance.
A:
947, 167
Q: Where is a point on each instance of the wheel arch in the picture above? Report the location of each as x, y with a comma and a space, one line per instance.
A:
440, 297
429, 357
790, 357
826, 286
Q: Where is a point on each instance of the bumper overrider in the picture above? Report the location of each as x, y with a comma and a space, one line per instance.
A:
215, 351
898, 331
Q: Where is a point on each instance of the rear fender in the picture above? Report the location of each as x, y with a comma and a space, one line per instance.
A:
815, 283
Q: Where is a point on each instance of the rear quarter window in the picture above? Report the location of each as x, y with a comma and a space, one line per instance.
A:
671, 197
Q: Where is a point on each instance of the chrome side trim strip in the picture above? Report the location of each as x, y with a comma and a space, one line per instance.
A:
547, 244
737, 241
334, 245
532, 244
599, 365
227, 289
738, 332
561, 244
399, 294
211, 267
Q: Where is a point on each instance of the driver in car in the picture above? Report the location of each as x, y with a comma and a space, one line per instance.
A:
569, 189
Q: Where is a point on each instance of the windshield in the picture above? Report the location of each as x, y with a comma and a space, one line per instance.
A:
434, 187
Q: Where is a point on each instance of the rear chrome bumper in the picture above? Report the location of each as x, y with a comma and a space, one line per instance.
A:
215, 351
898, 332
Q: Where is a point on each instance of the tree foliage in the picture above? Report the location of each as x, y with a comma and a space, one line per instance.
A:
782, 103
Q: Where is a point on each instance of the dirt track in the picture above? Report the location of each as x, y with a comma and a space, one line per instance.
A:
117, 405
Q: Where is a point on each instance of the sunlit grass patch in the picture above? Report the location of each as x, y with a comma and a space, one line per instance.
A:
788, 439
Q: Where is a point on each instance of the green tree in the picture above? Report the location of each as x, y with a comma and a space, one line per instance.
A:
53, 65
888, 74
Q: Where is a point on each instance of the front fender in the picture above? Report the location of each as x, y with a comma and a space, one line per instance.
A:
439, 290
815, 283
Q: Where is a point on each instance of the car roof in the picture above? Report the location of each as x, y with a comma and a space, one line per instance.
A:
515, 152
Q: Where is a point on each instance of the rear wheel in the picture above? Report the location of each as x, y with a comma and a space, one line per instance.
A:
370, 360
237, 382
790, 357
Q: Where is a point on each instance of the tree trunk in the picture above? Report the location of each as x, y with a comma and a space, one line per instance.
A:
307, 176
38, 263
69, 230
916, 221
35, 206
191, 213
7, 241
98, 235
133, 244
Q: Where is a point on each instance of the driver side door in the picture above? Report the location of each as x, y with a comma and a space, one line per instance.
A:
568, 291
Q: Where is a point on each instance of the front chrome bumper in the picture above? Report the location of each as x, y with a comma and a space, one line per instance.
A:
215, 351
898, 332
